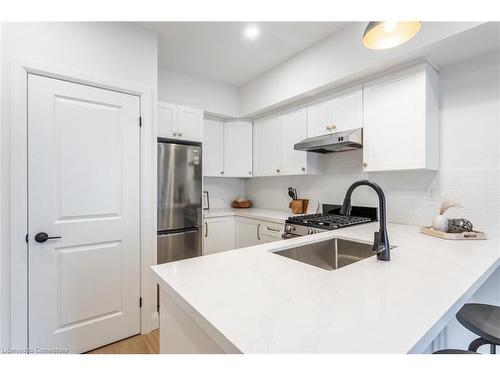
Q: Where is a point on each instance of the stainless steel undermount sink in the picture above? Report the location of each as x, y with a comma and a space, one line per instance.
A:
330, 254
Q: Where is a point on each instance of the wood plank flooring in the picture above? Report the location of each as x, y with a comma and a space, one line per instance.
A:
140, 344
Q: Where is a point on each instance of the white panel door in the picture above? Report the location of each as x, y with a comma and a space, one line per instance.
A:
189, 123
320, 118
294, 131
394, 129
238, 149
213, 148
247, 232
267, 147
167, 120
218, 235
84, 180
349, 110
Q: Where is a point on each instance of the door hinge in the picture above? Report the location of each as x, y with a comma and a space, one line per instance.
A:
26, 238
140, 301
140, 121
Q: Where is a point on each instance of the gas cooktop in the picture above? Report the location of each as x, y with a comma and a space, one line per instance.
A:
329, 220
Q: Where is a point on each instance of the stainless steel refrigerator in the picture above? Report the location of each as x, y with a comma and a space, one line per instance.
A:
179, 201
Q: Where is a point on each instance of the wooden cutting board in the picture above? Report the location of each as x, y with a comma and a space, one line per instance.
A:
473, 235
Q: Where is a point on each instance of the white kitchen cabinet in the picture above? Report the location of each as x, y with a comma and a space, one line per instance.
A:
213, 148
344, 111
218, 235
274, 140
167, 119
247, 232
237, 149
227, 148
250, 232
267, 146
270, 231
180, 122
401, 121
190, 123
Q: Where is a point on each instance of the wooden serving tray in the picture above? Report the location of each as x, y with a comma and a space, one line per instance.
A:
473, 235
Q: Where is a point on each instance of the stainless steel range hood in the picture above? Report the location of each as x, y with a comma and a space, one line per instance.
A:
334, 142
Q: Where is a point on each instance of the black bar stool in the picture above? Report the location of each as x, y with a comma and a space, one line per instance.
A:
484, 321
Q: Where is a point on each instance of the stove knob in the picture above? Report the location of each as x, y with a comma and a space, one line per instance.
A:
309, 231
289, 228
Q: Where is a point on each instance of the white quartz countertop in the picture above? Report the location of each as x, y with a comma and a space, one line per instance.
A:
261, 302
252, 213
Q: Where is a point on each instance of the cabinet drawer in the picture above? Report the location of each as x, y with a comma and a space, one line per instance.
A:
271, 229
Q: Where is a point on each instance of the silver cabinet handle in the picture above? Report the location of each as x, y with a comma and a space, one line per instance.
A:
175, 134
277, 170
328, 128
272, 229
206, 229
221, 172
180, 134
250, 172
258, 227
303, 169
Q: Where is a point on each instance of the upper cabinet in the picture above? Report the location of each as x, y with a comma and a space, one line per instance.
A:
167, 119
401, 121
213, 148
274, 140
344, 111
180, 122
227, 148
267, 147
238, 149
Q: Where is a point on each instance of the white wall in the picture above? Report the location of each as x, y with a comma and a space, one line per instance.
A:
211, 96
117, 51
335, 61
470, 160
222, 191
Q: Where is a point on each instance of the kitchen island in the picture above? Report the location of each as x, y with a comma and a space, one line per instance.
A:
250, 300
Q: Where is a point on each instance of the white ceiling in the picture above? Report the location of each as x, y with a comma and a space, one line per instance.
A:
218, 50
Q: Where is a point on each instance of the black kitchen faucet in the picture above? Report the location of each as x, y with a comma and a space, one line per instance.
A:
381, 241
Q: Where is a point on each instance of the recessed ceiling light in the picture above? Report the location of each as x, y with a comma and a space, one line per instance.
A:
251, 32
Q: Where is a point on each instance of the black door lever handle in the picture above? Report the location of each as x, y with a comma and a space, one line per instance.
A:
42, 237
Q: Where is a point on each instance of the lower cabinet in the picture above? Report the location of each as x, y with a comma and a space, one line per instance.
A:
250, 232
218, 234
247, 232
228, 233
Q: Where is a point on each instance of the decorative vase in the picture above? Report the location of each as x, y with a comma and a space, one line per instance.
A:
440, 223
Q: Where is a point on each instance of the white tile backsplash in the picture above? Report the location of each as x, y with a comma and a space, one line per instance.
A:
222, 191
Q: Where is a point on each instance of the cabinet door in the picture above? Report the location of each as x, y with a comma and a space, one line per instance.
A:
320, 118
167, 120
190, 123
218, 235
247, 232
238, 149
394, 129
348, 111
213, 139
294, 130
267, 147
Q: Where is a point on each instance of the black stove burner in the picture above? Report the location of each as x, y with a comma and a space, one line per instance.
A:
327, 221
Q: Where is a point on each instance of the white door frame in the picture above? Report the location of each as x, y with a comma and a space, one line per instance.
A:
16, 229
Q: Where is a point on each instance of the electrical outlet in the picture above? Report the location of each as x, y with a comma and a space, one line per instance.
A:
431, 194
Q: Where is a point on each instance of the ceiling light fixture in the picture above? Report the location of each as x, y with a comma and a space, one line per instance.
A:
384, 35
251, 32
